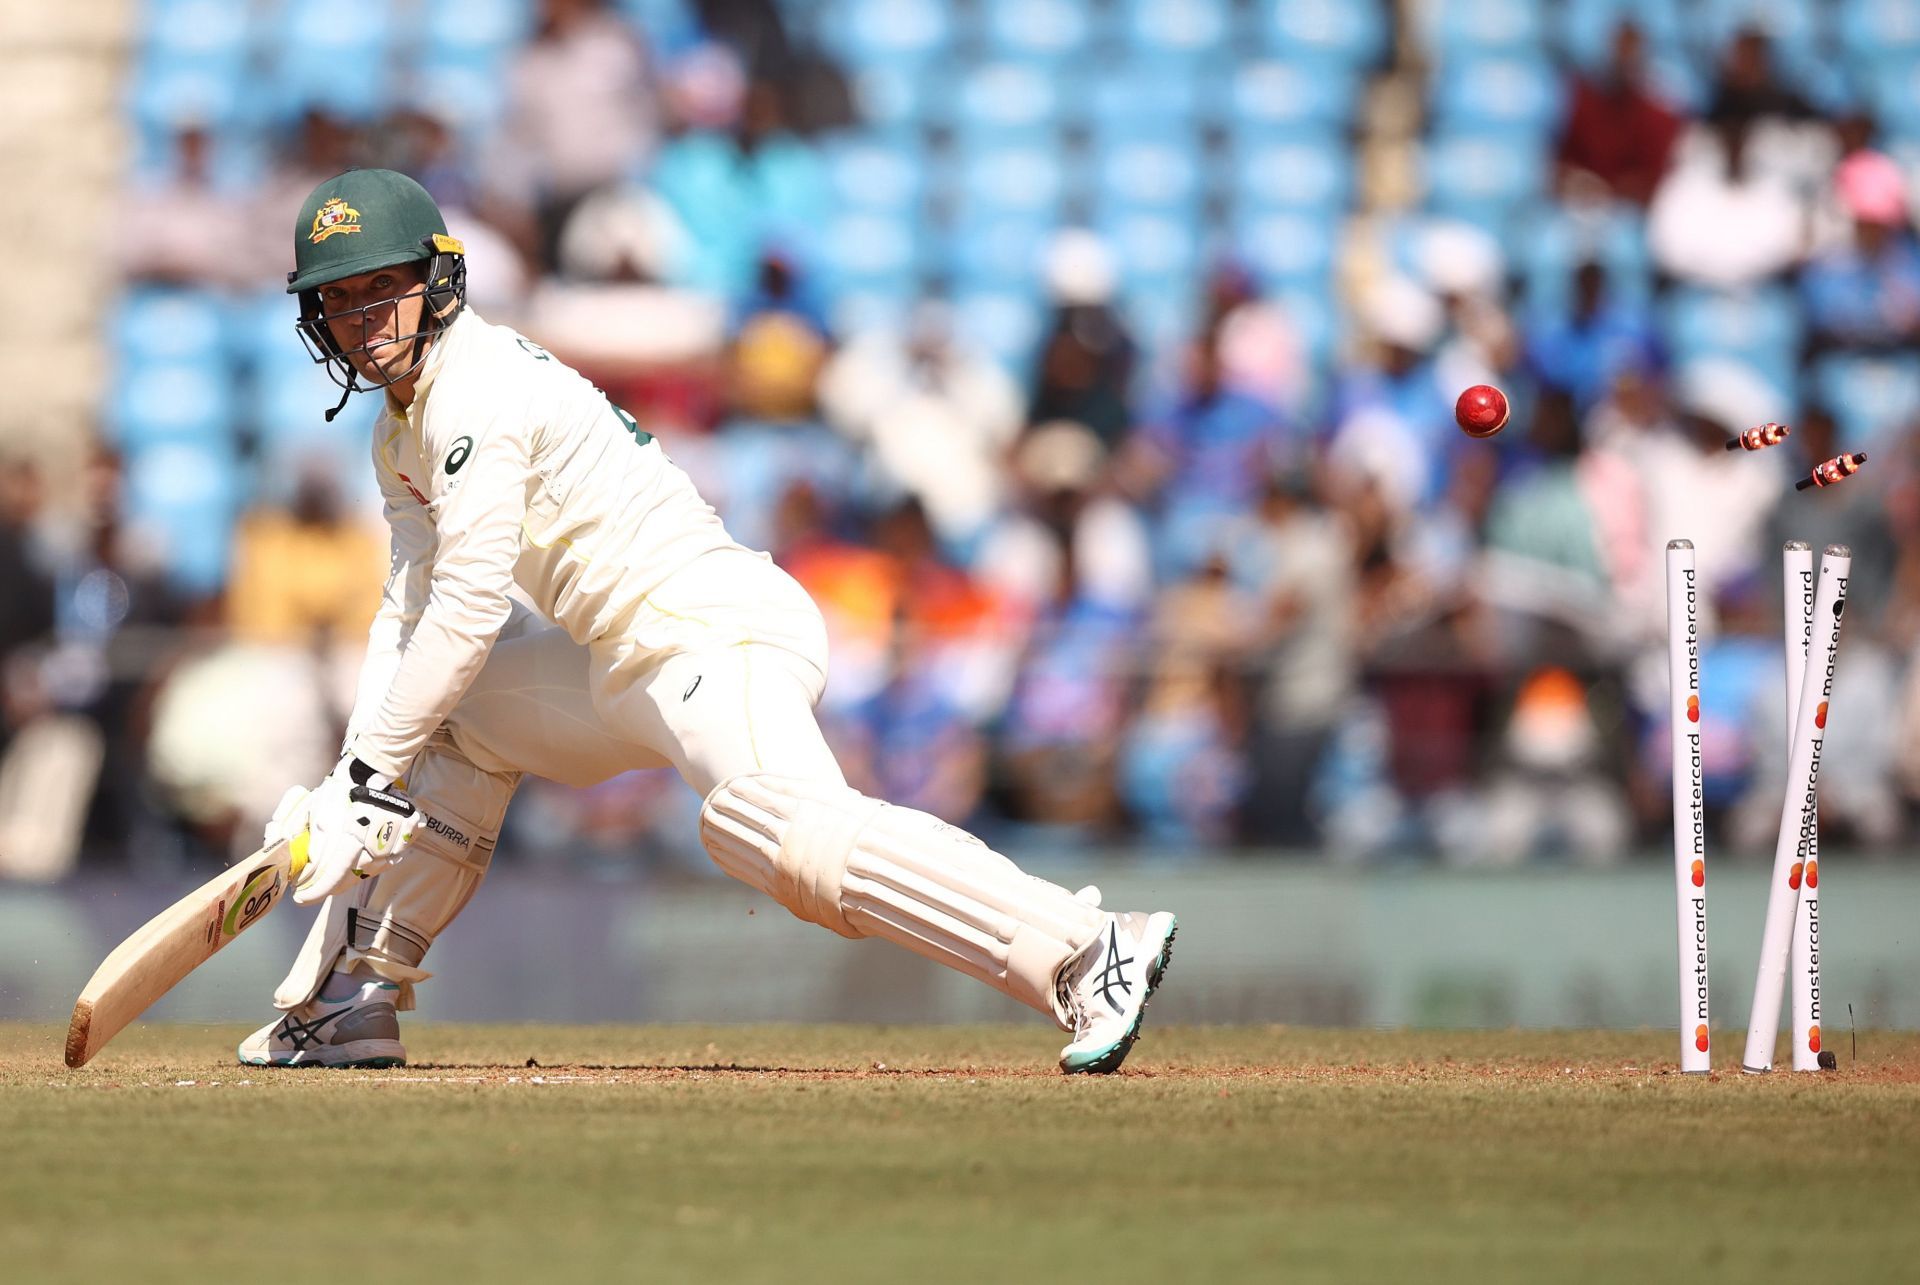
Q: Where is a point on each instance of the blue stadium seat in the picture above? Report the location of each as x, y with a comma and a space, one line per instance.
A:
1149, 170
1790, 23
1344, 33
669, 26
162, 98
318, 60
287, 394
1893, 90
877, 172
1161, 313
195, 29
1289, 96
1036, 30
1305, 171
870, 32
191, 62
1482, 178
1587, 28
464, 48
186, 496
874, 252
1871, 397
1153, 250
1680, 80
855, 311
899, 98
1003, 324
1761, 327
1006, 101
1139, 93
996, 253
288, 406
1192, 29
1554, 243
158, 325
1871, 29
1457, 29
1521, 95
467, 90
494, 27
1317, 320
154, 402
1287, 250
1799, 32
1022, 180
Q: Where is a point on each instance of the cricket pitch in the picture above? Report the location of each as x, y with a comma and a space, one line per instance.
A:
844, 1154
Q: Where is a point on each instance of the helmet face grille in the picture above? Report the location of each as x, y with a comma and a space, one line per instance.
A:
445, 293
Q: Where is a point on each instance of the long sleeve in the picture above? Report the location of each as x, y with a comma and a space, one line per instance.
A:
440, 648
402, 600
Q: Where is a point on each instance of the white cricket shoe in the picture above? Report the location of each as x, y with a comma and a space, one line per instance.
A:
359, 1029
1106, 990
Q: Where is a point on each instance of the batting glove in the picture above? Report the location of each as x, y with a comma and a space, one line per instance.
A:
357, 824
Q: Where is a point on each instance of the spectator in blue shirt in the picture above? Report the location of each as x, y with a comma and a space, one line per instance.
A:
1210, 453
1392, 413
1866, 295
1585, 351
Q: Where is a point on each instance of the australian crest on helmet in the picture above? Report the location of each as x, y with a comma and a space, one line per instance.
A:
334, 218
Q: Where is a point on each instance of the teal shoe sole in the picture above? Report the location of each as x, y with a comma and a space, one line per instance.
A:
1108, 1060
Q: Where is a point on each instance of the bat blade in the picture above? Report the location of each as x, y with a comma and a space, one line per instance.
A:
162, 951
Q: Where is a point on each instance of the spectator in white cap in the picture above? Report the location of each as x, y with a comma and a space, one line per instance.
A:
1394, 404
1693, 485
935, 413
1086, 354
1064, 510
1464, 266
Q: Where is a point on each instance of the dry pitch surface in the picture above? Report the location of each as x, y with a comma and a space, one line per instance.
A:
869, 1154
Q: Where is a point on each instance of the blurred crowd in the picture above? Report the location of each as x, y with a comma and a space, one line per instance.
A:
1221, 587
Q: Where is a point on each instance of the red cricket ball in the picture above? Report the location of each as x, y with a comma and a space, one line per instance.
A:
1481, 411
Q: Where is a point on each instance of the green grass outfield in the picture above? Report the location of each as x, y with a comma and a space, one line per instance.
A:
936, 1154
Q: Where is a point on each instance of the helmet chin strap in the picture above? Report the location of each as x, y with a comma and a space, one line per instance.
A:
345, 392
353, 384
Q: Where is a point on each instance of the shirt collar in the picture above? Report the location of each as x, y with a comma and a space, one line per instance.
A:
429, 369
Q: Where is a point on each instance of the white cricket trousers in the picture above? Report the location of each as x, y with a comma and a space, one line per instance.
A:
715, 673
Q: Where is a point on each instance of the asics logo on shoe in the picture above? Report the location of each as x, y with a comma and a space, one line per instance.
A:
304, 1035
1113, 972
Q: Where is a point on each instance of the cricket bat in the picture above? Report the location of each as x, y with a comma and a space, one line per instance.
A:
178, 940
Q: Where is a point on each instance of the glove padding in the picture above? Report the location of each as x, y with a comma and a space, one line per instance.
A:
289, 816
357, 824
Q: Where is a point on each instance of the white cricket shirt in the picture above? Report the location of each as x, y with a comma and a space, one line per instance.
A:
507, 468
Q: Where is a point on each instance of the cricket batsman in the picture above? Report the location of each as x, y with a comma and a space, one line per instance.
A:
653, 639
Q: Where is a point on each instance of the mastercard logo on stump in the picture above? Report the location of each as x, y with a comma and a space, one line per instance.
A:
1699, 873
1700, 1037
1820, 715
1813, 1039
1813, 874
1793, 875
1693, 709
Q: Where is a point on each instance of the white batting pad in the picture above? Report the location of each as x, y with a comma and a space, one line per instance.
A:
389, 922
865, 868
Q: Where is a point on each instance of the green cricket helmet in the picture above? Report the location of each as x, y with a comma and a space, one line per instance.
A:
358, 222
